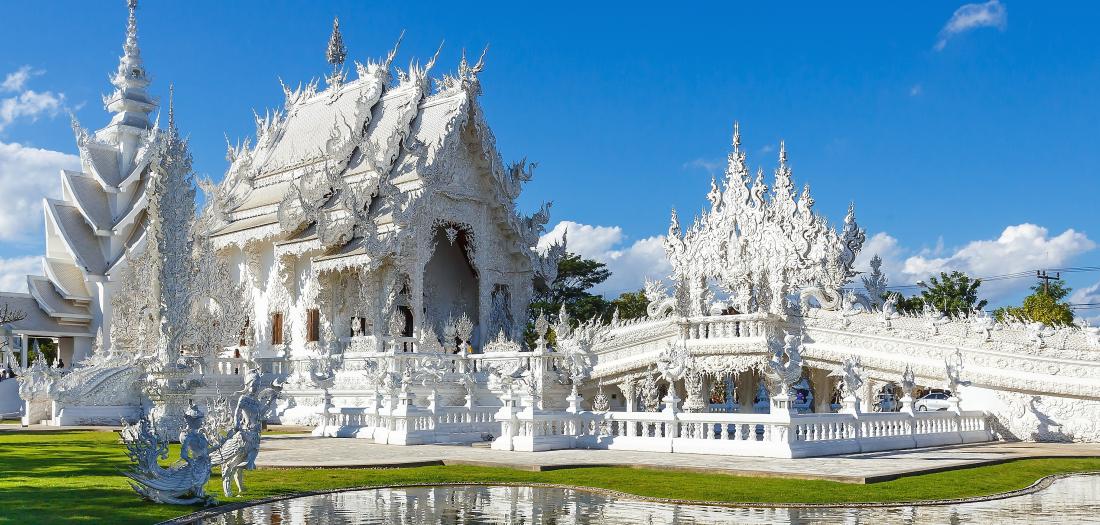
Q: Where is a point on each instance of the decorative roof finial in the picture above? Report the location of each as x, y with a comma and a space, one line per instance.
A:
674, 225
130, 63
131, 30
431, 63
736, 135
336, 51
393, 52
783, 152
171, 105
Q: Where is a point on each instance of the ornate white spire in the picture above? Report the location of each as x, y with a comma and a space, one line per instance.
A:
129, 102
172, 110
336, 54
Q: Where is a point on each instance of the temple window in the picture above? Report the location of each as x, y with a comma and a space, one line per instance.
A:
277, 328
313, 325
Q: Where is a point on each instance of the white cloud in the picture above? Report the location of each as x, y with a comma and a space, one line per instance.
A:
27, 103
27, 175
712, 167
629, 263
1089, 295
15, 80
915, 90
973, 16
1020, 248
14, 271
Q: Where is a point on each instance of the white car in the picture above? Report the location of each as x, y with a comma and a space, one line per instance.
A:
932, 401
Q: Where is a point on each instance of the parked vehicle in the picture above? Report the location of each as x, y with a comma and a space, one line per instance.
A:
933, 401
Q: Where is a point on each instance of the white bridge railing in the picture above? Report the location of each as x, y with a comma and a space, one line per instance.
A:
396, 420
725, 326
769, 435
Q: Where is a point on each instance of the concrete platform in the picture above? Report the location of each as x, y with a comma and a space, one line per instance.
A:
287, 451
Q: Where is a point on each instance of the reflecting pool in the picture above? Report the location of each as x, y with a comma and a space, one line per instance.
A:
1073, 499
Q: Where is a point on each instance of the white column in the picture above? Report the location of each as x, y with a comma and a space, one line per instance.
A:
745, 387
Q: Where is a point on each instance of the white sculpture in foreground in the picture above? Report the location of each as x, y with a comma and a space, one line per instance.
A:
182, 483
237, 451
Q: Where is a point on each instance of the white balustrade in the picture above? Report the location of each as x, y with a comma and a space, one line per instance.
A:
769, 435
725, 326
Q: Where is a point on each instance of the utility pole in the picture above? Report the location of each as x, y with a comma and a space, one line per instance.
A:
1042, 276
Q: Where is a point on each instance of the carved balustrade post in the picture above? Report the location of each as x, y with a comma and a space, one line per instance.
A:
574, 400
671, 400
509, 422
470, 395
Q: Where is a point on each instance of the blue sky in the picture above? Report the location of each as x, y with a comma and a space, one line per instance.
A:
964, 134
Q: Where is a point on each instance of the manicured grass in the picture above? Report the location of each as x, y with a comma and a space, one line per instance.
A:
10, 421
73, 477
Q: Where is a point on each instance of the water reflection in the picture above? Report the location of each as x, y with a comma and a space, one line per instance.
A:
1068, 500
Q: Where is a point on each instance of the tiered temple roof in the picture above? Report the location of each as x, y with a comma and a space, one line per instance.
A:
101, 213
384, 138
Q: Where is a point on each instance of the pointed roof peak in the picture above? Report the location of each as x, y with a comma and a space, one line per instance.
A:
393, 52
130, 65
129, 102
337, 52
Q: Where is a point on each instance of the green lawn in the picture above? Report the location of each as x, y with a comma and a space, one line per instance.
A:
73, 477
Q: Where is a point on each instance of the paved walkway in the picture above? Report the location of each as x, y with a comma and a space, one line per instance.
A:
306, 451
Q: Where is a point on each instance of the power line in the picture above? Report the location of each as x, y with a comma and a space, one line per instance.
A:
1007, 276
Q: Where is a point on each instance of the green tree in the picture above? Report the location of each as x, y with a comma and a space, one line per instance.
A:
631, 305
906, 305
952, 293
1045, 305
44, 346
576, 276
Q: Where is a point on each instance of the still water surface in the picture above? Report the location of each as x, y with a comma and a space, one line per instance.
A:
1068, 500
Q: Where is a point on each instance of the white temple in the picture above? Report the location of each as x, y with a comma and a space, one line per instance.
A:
366, 247
99, 219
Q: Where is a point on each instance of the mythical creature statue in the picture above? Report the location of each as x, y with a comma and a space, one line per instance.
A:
674, 363
982, 323
908, 383
1038, 333
954, 371
660, 302
890, 307
237, 451
184, 482
785, 373
934, 318
851, 377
